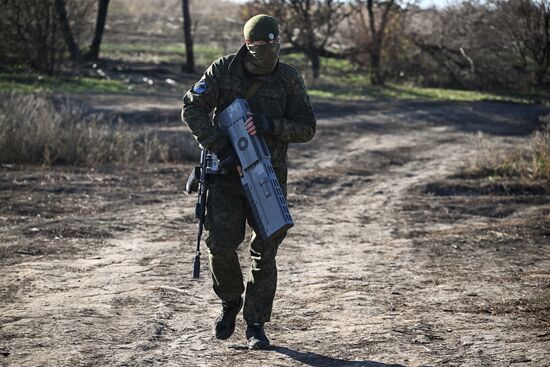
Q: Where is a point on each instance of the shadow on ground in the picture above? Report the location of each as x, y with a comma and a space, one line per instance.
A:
318, 360
489, 117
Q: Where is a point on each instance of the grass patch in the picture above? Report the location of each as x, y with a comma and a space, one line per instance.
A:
32, 82
342, 80
33, 131
528, 162
403, 92
165, 52
143, 47
440, 94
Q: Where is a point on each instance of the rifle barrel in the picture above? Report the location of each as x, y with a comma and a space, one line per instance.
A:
200, 210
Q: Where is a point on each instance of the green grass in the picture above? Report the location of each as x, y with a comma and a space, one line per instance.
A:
405, 92
329, 67
442, 94
142, 47
342, 80
32, 82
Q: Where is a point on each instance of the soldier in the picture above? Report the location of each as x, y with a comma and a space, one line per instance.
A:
282, 114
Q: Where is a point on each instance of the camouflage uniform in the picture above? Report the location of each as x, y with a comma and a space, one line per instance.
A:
283, 98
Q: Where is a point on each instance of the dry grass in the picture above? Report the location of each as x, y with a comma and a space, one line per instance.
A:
34, 131
529, 162
541, 151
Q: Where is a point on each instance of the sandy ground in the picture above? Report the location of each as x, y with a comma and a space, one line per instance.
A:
396, 258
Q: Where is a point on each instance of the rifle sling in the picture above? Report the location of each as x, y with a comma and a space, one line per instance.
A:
256, 84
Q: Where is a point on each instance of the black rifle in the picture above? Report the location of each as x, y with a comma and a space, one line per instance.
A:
200, 211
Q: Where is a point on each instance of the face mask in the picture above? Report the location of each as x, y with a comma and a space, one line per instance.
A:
262, 59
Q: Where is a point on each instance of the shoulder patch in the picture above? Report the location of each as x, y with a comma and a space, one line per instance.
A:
200, 87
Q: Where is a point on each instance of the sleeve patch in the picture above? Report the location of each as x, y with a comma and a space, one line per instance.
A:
200, 87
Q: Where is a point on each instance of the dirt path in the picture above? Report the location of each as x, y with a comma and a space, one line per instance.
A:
395, 259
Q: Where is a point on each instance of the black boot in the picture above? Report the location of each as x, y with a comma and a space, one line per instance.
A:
256, 337
225, 323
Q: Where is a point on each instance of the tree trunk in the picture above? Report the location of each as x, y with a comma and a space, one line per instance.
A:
375, 72
545, 63
190, 58
375, 77
93, 53
53, 44
377, 38
74, 50
540, 76
315, 63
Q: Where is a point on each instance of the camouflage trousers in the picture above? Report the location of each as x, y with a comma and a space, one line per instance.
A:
227, 214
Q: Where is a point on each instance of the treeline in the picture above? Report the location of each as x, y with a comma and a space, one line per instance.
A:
469, 44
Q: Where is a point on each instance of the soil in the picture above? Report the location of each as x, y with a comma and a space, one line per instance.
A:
397, 256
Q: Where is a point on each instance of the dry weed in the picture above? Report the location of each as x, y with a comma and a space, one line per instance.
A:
541, 150
530, 162
33, 131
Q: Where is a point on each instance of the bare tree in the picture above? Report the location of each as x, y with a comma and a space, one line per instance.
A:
307, 25
74, 50
467, 45
72, 46
190, 59
527, 22
30, 35
93, 52
378, 15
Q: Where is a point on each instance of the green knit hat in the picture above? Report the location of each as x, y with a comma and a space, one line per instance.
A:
261, 27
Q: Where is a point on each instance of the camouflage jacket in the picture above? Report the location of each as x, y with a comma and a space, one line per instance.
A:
283, 98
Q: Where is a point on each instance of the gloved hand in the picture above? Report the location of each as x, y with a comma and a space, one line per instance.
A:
259, 124
227, 156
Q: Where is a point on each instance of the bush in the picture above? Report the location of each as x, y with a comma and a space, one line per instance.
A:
33, 131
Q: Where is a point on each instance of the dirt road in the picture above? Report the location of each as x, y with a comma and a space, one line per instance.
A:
396, 257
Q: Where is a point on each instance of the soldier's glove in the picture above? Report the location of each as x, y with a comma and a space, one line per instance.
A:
264, 125
227, 156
